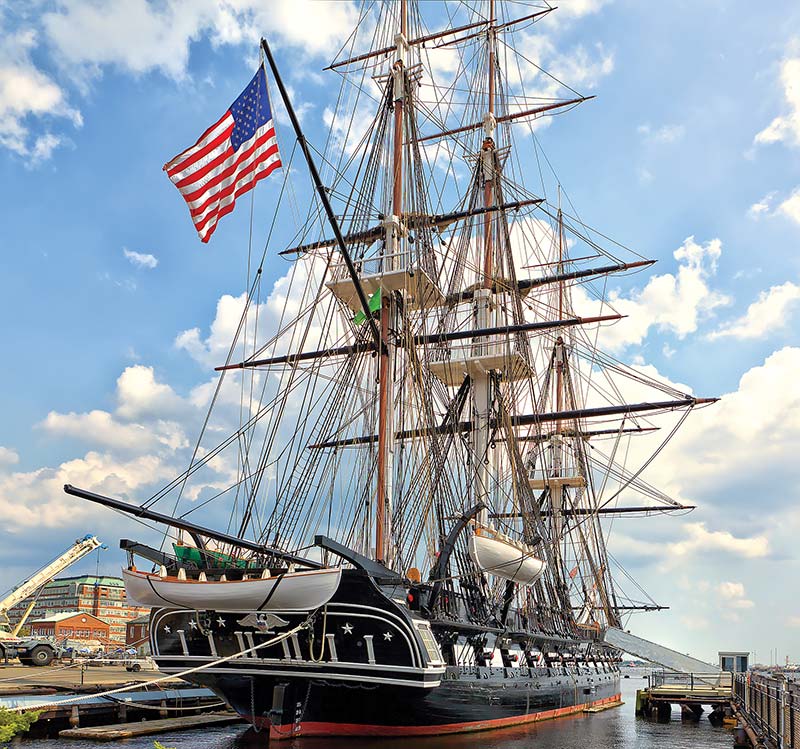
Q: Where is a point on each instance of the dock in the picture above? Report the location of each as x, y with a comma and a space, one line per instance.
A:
689, 690
54, 690
765, 710
120, 731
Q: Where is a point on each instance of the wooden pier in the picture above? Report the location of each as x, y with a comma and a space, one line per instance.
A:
764, 709
55, 692
120, 731
691, 691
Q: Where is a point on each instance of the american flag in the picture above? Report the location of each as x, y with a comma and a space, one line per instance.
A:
229, 158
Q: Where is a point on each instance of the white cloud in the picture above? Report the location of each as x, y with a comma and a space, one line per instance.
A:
158, 36
43, 148
761, 207
734, 595
139, 395
724, 453
769, 313
583, 68
571, 10
701, 540
102, 428
26, 94
140, 259
8, 456
791, 206
786, 128
670, 302
35, 499
213, 350
663, 134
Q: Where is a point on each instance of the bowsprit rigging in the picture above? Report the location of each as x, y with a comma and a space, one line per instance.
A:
423, 435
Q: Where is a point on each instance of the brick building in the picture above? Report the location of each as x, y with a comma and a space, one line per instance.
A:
75, 625
137, 635
102, 597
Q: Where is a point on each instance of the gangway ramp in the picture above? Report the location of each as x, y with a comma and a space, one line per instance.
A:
655, 653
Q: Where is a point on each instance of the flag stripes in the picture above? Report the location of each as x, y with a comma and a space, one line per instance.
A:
212, 174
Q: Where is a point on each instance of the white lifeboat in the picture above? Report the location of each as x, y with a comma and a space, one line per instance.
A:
499, 555
294, 591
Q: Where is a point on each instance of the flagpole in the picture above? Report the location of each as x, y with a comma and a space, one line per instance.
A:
323, 195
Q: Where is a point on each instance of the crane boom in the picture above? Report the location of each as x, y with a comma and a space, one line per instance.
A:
78, 550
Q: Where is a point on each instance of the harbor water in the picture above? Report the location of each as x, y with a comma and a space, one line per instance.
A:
613, 729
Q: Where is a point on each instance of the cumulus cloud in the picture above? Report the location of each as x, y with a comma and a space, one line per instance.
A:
140, 259
701, 540
35, 499
158, 36
674, 303
8, 456
770, 313
722, 454
213, 350
791, 206
28, 95
140, 395
101, 428
786, 127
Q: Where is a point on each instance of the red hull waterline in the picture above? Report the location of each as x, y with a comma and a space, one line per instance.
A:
309, 729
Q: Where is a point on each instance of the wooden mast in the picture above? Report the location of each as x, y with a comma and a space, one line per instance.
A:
556, 487
483, 300
488, 158
392, 248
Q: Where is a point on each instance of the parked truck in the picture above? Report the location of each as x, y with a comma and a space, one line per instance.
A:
37, 651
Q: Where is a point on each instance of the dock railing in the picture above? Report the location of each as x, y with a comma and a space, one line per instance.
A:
718, 681
771, 705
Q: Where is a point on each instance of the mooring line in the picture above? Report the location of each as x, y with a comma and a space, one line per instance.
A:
169, 677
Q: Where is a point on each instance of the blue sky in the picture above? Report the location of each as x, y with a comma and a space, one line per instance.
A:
695, 132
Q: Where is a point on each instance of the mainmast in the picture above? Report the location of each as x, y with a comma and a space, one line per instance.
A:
556, 487
483, 301
393, 242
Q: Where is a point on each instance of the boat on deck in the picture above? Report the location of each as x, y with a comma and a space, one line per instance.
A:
286, 591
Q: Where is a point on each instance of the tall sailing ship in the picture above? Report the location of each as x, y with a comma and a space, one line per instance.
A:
416, 441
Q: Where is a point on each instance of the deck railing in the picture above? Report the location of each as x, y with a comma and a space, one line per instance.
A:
771, 705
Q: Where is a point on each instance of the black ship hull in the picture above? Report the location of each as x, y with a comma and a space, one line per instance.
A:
463, 702
367, 665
